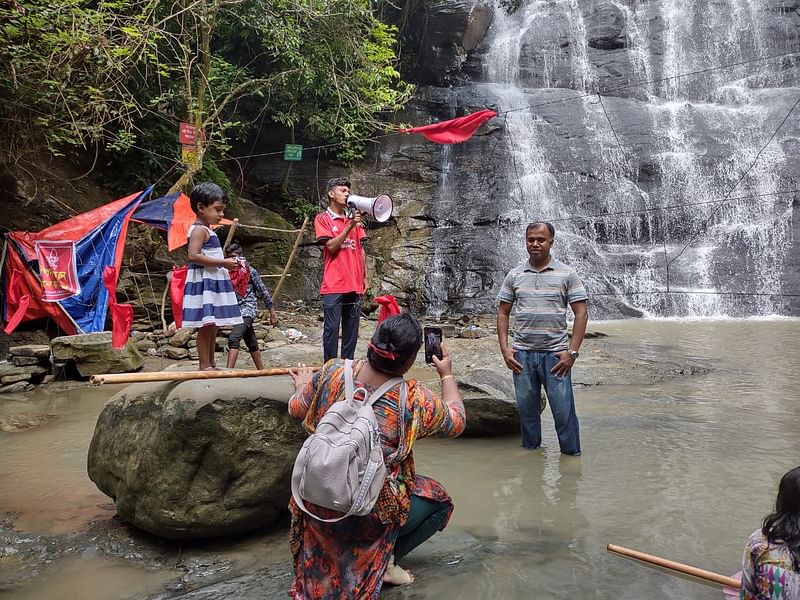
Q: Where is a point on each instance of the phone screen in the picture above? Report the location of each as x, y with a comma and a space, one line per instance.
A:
433, 343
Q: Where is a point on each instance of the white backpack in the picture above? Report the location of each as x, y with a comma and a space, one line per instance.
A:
340, 465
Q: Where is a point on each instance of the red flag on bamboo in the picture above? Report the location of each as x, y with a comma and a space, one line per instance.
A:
121, 314
453, 131
58, 270
176, 285
22, 301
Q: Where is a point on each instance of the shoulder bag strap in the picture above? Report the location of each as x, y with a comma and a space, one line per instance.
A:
349, 387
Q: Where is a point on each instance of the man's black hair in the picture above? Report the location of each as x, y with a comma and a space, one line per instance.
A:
233, 248
336, 181
400, 335
206, 193
549, 226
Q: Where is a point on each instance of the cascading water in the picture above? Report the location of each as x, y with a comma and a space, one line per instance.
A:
633, 181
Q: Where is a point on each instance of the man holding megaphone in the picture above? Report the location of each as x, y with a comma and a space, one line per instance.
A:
344, 279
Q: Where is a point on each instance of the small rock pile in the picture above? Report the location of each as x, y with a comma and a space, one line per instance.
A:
181, 344
27, 365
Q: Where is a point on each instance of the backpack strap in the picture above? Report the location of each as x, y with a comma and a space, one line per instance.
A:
349, 388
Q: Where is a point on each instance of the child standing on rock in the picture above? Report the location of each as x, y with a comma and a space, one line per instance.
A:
208, 298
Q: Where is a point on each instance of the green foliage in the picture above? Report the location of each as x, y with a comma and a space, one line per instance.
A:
299, 206
117, 76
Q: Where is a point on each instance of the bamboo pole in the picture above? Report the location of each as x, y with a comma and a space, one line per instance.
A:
291, 258
231, 231
164, 302
709, 576
186, 375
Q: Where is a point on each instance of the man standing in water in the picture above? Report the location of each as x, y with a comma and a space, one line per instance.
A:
542, 352
344, 278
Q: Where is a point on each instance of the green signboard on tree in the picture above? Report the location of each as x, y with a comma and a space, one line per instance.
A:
292, 152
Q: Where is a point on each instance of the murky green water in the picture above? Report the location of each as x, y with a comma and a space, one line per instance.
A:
684, 469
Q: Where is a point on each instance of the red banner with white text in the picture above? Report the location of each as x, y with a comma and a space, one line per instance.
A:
58, 270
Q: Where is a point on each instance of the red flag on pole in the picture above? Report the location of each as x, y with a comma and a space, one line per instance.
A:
22, 302
121, 314
176, 285
453, 131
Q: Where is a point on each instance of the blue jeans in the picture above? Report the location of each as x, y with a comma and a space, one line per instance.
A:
527, 385
344, 309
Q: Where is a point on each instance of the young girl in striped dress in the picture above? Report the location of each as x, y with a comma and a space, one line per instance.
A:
208, 298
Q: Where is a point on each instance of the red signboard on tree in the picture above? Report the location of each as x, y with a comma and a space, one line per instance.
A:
187, 134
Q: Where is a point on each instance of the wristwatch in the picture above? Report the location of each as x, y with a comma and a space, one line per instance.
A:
573, 353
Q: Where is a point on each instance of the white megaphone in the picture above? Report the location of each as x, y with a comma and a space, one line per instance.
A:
380, 207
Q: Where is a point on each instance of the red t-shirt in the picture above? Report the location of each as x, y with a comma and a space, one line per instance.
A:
344, 270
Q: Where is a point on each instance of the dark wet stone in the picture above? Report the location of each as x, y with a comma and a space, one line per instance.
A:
197, 459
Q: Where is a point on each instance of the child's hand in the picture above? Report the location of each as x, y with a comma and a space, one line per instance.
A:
230, 263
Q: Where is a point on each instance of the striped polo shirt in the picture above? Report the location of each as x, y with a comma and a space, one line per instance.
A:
540, 301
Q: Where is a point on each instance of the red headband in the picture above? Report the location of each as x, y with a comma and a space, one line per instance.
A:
382, 353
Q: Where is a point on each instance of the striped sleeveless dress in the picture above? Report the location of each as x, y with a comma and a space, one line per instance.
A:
208, 298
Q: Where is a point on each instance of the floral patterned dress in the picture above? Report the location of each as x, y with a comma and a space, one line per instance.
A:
767, 571
347, 559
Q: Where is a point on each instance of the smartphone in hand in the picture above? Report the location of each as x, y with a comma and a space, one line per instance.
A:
433, 343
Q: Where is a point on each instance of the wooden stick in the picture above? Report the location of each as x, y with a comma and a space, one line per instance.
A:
291, 258
164, 302
715, 578
231, 231
186, 375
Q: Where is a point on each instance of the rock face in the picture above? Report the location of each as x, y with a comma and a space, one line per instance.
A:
197, 459
632, 184
93, 354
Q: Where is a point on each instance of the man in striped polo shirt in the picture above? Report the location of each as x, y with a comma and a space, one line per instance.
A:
542, 353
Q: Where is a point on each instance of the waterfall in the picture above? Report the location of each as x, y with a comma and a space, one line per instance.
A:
633, 184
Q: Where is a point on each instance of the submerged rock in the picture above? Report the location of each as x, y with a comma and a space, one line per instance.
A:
490, 403
197, 459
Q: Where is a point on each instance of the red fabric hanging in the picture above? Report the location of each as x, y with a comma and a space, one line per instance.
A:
453, 131
240, 277
389, 307
176, 285
121, 314
21, 301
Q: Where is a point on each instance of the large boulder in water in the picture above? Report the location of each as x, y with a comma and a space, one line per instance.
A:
199, 458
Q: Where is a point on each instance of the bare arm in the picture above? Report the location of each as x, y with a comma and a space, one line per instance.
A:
503, 314
196, 241
304, 382
565, 359
579, 327
456, 418
335, 243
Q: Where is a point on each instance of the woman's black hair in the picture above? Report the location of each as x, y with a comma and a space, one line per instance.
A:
400, 335
782, 527
206, 193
